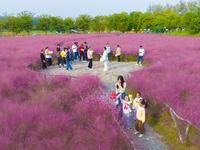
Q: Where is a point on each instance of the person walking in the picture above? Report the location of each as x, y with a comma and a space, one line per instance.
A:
68, 66
48, 55
70, 54
140, 57
77, 53
85, 52
81, 50
108, 51
43, 60
89, 55
118, 53
105, 59
59, 58
74, 49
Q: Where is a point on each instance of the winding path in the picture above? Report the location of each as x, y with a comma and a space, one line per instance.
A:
151, 140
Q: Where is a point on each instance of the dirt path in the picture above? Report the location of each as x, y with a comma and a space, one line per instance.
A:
150, 140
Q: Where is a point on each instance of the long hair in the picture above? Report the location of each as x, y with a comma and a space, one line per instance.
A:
122, 81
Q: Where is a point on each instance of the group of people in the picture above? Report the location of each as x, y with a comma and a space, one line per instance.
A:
82, 53
125, 105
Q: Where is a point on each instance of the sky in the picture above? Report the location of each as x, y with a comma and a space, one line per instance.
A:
73, 8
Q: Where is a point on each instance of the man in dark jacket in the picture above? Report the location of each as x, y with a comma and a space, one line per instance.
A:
68, 60
58, 48
43, 59
85, 52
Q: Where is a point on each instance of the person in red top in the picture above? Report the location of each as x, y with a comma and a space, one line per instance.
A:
81, 50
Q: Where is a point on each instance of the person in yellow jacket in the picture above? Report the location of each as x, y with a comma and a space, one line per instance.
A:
62, 54
118, 53
139, 124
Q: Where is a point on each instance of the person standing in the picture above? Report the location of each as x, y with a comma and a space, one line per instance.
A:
81, 50
120, 88
74, 49
48, 55
140, 57
63, 53
70, 54
118, 53
85, 52
59, 58
89, 55
108, 50
68, 60
105, 59
77, 51
58, 48
43, 60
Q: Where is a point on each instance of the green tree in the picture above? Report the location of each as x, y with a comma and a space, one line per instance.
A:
159, 22
123, 22
195, 25
56, 24
187, 18
12, 24
192, 5
26, 19
69, 24
43, 23
1, 27
182, 7
83, 22
97, 24
143, 21
108, 22
135, 21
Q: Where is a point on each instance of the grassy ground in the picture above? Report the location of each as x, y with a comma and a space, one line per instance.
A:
183, 33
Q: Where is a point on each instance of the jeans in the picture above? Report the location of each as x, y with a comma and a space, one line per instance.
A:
85, 56
49, 60
118, 57
108, 56
140, 58
59, 61
70, 57
90, 64
78, 55
123, 95
128, 116
75, 56
68, 66
81, 55
44, 65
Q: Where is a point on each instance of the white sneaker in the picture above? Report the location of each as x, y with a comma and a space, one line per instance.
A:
141, 135
136, 132
136, 64
83, 61
140, 64
91, 69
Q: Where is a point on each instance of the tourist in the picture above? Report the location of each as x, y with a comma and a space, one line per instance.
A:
58, 48
137, 98
85, 52
120, 88
74, 49
89, 55
68, 60
63, 56
59, 58
126, 110
105, 59
70, 54
108, 50
48, 55
81, 50
77, 53
139, 124
43, 60
140, 57
118, 53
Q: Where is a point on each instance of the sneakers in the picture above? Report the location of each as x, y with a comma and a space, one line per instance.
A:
105, 70
141, 135
136, 64
136, 132
91, 69
140, 64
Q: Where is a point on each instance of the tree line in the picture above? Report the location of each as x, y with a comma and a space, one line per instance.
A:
157, 17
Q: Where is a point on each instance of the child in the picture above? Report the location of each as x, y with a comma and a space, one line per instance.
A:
139, 124
43, 59
141, 54
68, 60
138, 97
126, 110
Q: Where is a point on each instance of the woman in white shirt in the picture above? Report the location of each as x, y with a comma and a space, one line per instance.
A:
48, 55
105, 59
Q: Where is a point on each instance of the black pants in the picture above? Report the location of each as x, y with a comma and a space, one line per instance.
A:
90, 64
85, 56
50, 62
64, 60
81, 55
108, 56
118, 57
44, 65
